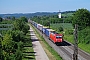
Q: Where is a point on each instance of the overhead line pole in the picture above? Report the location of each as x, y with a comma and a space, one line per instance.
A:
75, 55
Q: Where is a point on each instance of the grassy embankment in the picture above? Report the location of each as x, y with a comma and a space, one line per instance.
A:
51, 53
28, 51
70, 37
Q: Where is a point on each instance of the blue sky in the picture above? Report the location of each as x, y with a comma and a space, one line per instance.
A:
31, 6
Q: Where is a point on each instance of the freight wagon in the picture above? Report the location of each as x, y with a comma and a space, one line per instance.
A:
39, 26
44, 29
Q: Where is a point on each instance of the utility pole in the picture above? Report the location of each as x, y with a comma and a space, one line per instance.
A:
75, 55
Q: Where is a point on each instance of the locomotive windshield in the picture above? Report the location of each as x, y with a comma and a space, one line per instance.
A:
58, 37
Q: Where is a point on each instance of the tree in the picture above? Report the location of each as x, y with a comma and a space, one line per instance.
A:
18, 24
24, 19
1, 19
60, 29
18, 36
13, 18
25, 28
1, 49
8, 17
18, 54
82, 18
21, 25
7, 46
7, 43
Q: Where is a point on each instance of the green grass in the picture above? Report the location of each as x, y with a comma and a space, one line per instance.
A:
85, 47
69, 38
63, 25
67, 14
49, 48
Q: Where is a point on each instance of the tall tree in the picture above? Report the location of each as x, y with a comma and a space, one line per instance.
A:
1, 19
82, 18
24, 19
21, 25
0, 48
18, 24
8, 46
7, 43
13, 18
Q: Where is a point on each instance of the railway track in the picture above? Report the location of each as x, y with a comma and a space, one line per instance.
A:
65, 49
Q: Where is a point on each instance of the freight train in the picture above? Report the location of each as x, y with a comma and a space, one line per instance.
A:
50, 33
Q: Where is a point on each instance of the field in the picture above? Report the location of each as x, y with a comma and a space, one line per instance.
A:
64, 25
6, 26
67, 14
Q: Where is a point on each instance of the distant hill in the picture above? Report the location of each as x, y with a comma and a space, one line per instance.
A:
28, 15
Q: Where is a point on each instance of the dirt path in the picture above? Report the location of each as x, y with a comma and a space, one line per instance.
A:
39, 51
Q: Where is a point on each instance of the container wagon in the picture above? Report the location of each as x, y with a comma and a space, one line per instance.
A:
48, 31
44, 29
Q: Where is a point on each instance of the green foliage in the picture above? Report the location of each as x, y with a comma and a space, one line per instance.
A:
1, 19
8, 17
69, 32
12, 43
82, 18
18, 55
13, 18
46, 19
63, 25
1, 55
20, 45
6, 22
18, 24
21, 25
60, 29
85, 47
7, 43
68, 19
25, 28
17, 35
84, 36
24, 19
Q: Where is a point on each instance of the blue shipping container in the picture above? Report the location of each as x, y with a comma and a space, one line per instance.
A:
44, 29
47, 32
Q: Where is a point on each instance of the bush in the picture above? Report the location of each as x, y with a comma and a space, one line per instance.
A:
60, 29
70, 32
18, 55
84, 36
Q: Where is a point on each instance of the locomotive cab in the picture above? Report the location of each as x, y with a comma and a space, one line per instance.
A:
56, 38
59, 38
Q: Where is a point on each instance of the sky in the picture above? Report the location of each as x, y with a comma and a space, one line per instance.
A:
32, 6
